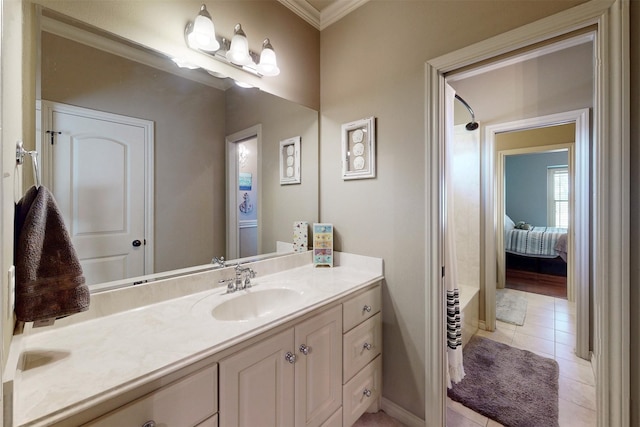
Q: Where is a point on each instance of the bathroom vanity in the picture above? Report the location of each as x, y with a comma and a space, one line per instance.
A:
301, 347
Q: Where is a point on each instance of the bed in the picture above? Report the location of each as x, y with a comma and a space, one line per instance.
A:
538, 249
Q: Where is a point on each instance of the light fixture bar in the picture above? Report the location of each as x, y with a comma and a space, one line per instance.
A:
200, 35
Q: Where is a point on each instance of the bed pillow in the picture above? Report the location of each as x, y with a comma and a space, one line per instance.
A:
508, 223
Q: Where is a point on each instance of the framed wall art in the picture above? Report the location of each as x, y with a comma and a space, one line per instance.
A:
290, 161
359, 149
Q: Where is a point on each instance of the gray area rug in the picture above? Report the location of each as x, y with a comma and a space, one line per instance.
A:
514, 387
510, 307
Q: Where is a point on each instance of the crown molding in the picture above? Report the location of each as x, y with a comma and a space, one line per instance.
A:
328, 16
337, 11
304, 10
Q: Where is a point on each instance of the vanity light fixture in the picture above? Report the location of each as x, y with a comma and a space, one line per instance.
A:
200, 35
238, 53
268, 65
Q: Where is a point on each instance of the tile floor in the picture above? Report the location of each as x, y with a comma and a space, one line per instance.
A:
549, 330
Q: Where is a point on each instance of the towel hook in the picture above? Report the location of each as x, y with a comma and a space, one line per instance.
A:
21, 152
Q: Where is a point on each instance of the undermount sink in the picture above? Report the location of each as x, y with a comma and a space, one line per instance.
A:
252, 303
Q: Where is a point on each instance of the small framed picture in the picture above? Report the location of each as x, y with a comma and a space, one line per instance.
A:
359, 149
290, 161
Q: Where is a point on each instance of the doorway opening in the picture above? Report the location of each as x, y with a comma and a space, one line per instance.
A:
243, 193
609, 202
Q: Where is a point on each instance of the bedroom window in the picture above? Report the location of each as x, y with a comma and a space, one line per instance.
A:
558, 196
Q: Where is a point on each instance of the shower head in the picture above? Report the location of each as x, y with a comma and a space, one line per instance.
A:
472, 125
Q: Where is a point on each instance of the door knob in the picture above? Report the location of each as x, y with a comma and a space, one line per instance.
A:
136, 243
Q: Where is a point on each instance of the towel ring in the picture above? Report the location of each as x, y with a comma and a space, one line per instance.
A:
20, 153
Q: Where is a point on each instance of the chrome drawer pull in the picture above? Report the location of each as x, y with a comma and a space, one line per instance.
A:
367, 346
367, 308
290, 357
149, 423
304, 349
366, 392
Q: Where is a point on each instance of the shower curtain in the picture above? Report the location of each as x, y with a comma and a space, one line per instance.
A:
455, 371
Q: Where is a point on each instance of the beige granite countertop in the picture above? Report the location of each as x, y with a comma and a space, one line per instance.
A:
66, 370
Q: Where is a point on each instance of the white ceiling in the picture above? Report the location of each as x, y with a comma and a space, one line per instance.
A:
322, 13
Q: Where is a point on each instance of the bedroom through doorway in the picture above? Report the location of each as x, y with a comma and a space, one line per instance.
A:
537, 172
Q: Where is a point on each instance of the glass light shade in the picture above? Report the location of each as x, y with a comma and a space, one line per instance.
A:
268, 65
238, 53
202, 34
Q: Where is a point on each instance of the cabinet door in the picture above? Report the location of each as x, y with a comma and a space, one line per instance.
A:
319, 371
256, 385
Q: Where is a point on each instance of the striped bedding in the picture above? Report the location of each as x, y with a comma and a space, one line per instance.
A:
537, 242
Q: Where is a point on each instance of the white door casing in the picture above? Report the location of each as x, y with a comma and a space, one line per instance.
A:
233, 224
610, 200
99, 169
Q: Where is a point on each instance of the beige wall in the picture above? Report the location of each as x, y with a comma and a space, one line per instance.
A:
551, 135
373, 64
189, 131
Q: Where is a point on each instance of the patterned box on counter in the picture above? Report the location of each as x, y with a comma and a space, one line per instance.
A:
323, 245
300, 236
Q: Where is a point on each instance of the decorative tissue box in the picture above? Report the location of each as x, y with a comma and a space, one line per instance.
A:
300, 236
323, 245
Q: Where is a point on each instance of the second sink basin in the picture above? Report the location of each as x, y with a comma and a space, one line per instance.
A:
254, 303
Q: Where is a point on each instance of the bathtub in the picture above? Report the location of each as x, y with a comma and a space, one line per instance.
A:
469, 311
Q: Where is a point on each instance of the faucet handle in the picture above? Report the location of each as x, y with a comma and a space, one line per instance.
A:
231, 285
247, 279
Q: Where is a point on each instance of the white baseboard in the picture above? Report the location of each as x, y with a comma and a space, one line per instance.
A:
401, 414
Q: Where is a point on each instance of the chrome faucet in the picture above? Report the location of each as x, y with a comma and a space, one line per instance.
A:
218, 262
242, 279
243, 282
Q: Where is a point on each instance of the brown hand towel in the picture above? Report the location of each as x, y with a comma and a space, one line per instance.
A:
49, 280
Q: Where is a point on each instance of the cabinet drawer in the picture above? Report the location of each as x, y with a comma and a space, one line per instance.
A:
186, 402
362, 391
360, 308
361, 345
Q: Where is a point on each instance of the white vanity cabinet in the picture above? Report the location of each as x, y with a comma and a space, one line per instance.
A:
320, 369
290, 379
362, 359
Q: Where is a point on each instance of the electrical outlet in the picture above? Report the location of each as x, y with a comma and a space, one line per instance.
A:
12, 289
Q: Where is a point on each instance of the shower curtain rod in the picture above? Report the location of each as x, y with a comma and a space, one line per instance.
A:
471, 125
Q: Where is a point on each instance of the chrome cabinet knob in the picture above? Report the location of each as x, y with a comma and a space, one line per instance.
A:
290, 357
149, 423
367, 346
366, 392
304, 349
366, 308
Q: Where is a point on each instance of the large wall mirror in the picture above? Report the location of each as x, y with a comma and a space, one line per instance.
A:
90, 80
